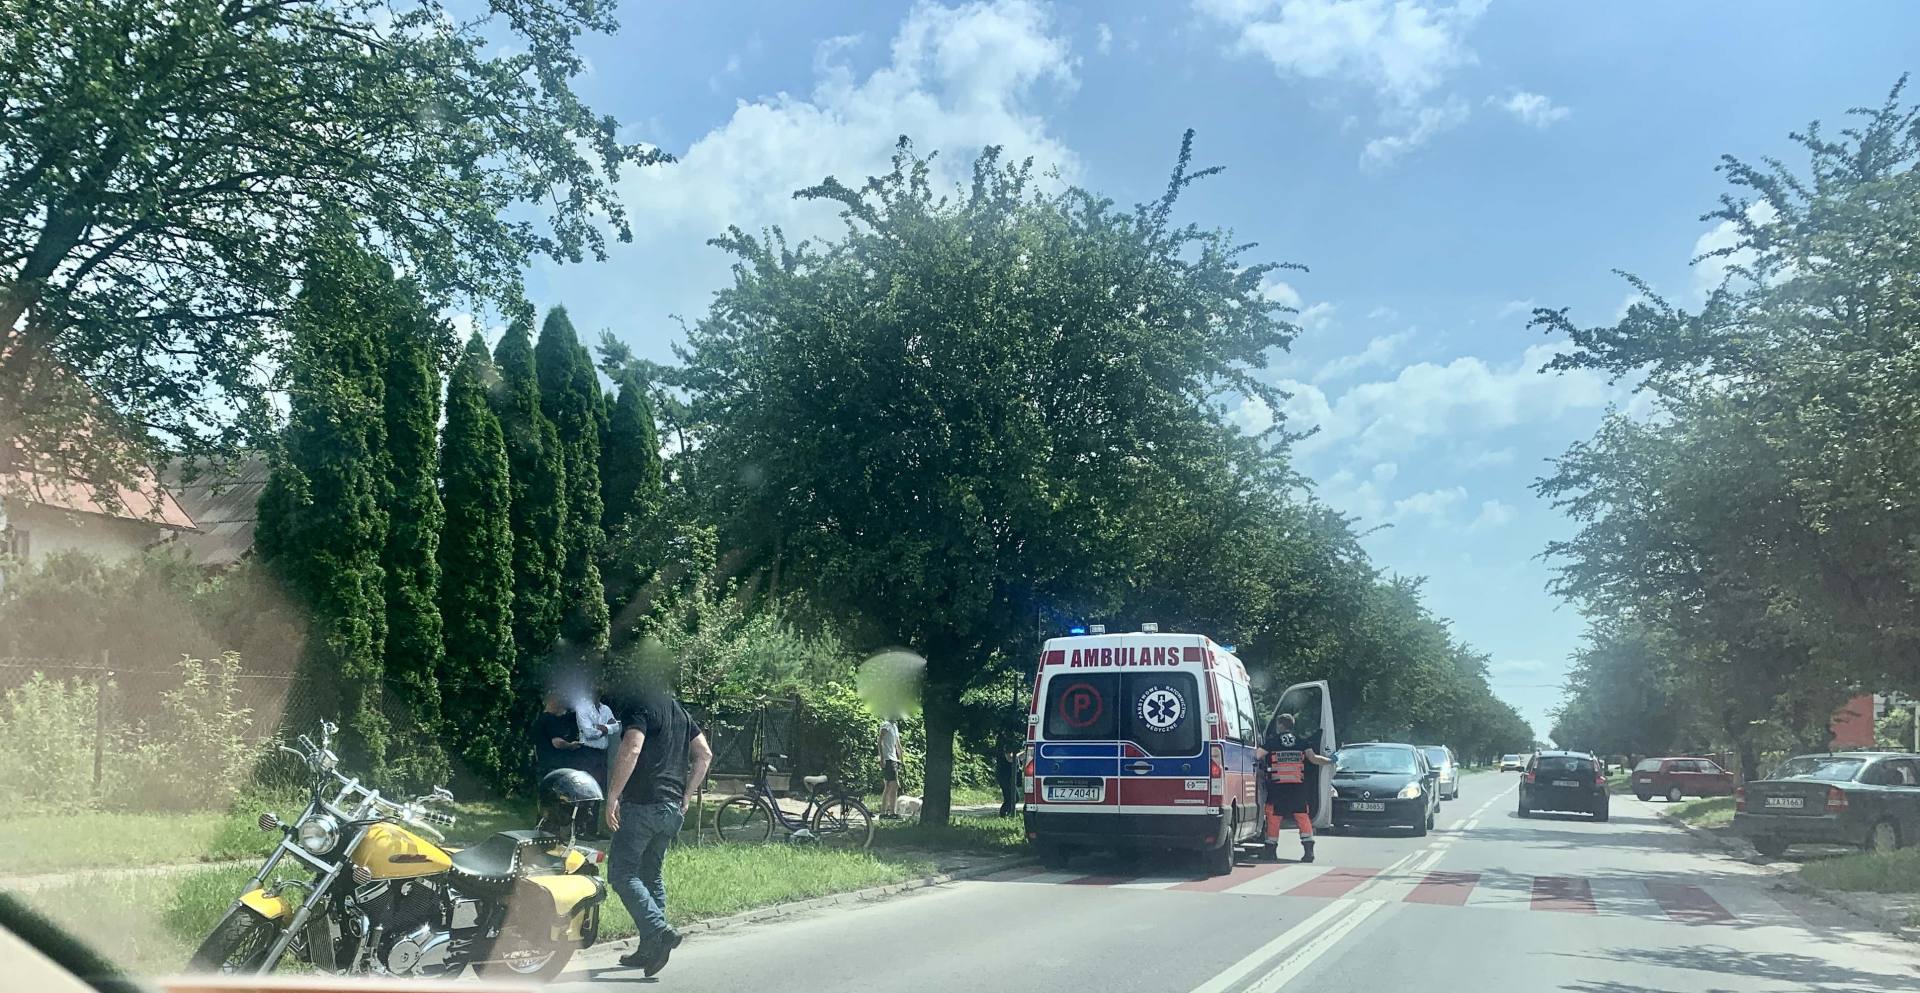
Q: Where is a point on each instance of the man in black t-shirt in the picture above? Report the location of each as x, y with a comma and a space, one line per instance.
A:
662, 759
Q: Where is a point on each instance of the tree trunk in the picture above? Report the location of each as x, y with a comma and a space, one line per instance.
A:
1749, 758
942, 713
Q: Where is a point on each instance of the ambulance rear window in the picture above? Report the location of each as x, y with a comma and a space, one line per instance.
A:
1164, 712
1082, 707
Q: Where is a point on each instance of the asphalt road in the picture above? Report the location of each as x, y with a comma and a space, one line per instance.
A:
1489, 902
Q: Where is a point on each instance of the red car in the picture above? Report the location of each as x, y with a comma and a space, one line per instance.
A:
1674, 778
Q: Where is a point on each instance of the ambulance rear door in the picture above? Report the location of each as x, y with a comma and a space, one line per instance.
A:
1311, 705
1164, 717
1076, 759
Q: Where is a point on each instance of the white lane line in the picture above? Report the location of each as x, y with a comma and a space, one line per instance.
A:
1240, 970
1304, 956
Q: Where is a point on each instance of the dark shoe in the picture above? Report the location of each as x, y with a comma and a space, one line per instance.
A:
669, 941
639, 957
1306, 854
1269, 853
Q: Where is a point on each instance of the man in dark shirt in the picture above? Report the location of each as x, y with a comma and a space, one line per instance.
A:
663, 758
555, 736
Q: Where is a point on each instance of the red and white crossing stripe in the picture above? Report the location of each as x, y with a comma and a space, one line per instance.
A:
1675, 901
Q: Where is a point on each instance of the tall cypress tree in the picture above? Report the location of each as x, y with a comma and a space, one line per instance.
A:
322, 530
570, 395
635, 497
476, 573
537, 472
414, 342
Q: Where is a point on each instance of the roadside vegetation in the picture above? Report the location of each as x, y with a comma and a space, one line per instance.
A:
1897, 871
1740, 539
1708, 812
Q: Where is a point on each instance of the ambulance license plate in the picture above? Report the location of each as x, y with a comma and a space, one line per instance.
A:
1073, 794
1568, 783
1373, 805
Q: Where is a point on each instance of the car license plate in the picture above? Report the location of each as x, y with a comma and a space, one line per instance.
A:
1565, 782
1073, 794
1787, 802
1374, 805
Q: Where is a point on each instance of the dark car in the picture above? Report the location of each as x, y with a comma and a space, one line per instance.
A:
1679, 777
1564, 781
1869, 799
1379, 784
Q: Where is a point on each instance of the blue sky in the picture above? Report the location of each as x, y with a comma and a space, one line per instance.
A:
1441, 168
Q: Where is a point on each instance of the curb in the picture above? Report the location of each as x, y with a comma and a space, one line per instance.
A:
1728, 845
871, 894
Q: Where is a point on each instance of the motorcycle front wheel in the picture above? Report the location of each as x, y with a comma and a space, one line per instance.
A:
238, 944
517, 956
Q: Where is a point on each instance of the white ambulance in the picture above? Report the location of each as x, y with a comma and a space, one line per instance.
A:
1150, 740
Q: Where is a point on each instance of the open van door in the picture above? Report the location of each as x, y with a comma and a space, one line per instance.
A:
1311, 705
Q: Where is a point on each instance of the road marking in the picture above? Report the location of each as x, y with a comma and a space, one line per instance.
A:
1688, 904
1445, 889
1562, 893
1241, 874
1304, 956
1335, 883
1239, 970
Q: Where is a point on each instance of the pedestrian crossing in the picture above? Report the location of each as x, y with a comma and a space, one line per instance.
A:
1675, 901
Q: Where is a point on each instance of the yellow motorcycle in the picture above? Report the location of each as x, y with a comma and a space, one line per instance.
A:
377, 892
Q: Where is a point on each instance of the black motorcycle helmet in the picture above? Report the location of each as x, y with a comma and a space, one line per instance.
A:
562, 791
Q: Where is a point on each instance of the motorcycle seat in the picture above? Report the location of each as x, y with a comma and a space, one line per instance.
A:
504, 857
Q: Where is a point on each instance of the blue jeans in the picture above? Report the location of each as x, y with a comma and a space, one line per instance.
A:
635, 860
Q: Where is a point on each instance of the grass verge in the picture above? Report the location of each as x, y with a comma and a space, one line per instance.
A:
1876, 872
1712, 812
961, 834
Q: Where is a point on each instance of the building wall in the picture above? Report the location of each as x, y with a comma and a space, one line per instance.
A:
1853, 725
49, 530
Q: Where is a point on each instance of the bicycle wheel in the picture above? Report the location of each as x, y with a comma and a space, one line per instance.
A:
744, 820
843, 822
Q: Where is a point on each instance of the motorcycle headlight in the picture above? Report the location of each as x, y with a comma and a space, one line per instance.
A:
1409, 791
318, 834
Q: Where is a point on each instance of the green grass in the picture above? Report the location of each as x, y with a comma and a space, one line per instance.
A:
966, 834
717, 880
1712, 812
1877, 872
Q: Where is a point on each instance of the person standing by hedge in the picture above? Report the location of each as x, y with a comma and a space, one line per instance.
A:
662, 759
889, 751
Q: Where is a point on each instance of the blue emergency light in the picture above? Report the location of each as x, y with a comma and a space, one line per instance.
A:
1076, 630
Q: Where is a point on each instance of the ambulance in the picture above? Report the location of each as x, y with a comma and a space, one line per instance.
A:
1150, 740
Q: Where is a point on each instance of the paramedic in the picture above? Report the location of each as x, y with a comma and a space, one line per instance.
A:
1286, 755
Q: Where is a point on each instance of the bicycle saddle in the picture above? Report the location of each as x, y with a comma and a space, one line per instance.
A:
815, 780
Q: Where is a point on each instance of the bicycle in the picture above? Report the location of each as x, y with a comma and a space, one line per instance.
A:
833, 818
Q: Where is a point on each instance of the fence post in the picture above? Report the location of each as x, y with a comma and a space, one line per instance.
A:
100, 714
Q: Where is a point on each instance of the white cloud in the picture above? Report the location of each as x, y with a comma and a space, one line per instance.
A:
1317, 317
1493, 514
1379, 352
958, 79
1532, 109
1382, 313
1490, 459
1359, 496
1709, 273
1431, 504
1103, 38
1512, 307
1252, 415
1419, 127
1460, 399
1402, 49
954, 79
1518, 667
1280, 292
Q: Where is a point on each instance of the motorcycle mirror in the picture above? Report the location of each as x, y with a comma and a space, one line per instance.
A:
443, 794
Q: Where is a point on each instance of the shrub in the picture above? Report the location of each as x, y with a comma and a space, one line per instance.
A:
195, 751
46, 746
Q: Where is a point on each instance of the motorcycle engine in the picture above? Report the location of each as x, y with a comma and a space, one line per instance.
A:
410, 916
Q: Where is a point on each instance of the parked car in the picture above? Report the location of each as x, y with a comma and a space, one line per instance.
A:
1564, 781
1869, 799
1442, 759
1513, 763
1675, 778
1384, 784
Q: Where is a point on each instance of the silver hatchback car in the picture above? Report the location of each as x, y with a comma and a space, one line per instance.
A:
1441, 758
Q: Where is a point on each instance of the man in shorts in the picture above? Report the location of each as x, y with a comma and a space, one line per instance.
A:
889, 769
1285, 756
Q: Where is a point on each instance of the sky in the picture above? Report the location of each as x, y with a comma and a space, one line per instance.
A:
1440, 169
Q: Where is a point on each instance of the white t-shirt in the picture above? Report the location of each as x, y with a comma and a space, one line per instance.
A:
889, 742
590, 735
